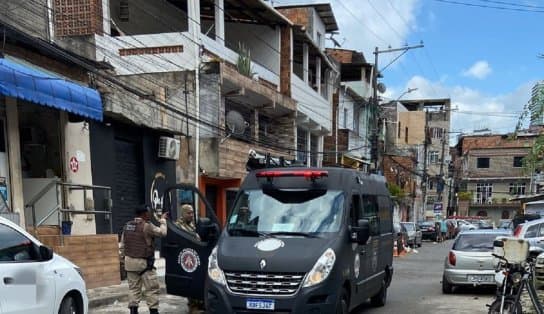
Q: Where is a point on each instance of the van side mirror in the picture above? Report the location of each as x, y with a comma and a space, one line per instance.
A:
208, 229
46, 253
361, 233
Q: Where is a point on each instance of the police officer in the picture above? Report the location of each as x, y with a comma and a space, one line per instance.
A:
137, 249
186, 222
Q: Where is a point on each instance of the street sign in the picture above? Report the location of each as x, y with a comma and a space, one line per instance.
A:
437, 208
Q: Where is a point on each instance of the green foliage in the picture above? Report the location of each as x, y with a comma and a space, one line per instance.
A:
395, 190
244, 61
464, 196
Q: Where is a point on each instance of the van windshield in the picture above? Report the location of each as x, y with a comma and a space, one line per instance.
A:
297, 212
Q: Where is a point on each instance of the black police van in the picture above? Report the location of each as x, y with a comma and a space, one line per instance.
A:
298, 240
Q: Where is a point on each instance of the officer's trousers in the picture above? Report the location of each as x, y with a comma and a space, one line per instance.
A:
150, 292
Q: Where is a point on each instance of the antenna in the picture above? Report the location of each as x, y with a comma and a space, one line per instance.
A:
235, 123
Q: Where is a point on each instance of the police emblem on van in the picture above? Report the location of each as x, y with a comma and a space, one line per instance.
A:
262, 264
269, 245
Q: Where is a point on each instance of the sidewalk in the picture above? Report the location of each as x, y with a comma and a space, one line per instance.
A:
109, 295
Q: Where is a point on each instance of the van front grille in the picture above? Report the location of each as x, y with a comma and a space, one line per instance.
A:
264, 283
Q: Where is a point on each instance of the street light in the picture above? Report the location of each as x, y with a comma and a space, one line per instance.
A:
409, 90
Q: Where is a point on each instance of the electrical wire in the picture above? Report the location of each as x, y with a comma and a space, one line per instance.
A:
489, 6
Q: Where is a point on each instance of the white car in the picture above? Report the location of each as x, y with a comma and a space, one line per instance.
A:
35, 280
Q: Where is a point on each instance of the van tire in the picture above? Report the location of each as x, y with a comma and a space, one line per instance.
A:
381, 297
342, 306
69, 306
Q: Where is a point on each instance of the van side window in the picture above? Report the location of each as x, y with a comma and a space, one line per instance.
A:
355, 210
370, 212
385, 214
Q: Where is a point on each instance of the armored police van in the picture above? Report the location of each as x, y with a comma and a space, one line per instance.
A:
298, 240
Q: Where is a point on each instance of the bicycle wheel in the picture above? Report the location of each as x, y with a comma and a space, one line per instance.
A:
510, 306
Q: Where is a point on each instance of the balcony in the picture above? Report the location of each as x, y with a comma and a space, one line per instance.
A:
150, 53
311, 104
231, 57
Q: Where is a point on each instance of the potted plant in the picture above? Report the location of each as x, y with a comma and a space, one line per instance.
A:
244, 61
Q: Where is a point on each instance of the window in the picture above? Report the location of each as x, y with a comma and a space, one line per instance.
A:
434, 157
483, 162
345, 124
385, 214
406, 135
532, 231
314, 144
517, 189
319, 40
484, 191
518, 162
398, 132
15, 247
356, 209
302, 145
437, 133
370, 212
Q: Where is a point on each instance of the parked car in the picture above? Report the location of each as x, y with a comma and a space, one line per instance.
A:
465, 225
469, 262
506, 224
428, 230
414, 234
34, 279
532, 231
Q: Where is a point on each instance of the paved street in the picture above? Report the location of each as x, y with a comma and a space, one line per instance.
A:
416, 288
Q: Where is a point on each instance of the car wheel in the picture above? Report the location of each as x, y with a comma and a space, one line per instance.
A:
69, 306
447, 288
343, 302
380, 298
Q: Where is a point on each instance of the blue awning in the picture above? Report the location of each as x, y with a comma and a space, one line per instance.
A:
23, 82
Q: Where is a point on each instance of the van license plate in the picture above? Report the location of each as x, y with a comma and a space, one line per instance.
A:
259, 304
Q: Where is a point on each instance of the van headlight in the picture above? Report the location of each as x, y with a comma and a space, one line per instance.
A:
214, 272
321, 269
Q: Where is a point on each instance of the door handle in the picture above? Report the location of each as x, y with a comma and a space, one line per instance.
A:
8, 280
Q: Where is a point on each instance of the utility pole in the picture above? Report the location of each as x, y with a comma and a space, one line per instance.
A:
441, 178
375, 119
424, 177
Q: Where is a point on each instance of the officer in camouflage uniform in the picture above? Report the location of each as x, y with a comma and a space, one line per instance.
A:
138, 251
186, 222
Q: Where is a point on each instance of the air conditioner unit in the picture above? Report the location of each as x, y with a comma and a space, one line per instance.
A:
169, 148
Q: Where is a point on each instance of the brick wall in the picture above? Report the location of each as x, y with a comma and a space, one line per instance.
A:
299, 16
342, 56
285, 60
501, 162
468, 143
399, 170
78, 17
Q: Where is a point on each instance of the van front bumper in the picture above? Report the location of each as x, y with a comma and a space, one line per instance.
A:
319, 299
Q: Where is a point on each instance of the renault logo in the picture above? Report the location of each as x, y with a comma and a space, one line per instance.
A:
262, 264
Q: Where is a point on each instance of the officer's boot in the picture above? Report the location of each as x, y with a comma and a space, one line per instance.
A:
153, 311
133, 310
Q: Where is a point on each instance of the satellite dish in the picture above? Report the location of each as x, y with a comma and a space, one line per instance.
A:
235, 124
381, 88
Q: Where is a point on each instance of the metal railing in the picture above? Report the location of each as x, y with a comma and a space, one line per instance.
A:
61, 190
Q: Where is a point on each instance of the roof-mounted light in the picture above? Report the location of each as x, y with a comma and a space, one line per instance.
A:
308, 174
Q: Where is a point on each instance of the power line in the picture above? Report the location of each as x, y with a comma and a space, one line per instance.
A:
514, 4
359, 21
489, 6
166, 105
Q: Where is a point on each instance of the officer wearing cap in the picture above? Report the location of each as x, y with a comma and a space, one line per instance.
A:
138, 251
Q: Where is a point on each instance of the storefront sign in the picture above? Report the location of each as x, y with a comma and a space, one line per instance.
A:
158, 187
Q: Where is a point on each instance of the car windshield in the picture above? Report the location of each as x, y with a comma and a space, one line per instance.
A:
285, 212
426, 224
409, 226
476, 242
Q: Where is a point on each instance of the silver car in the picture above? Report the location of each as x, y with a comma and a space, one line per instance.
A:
469, 262
415, 235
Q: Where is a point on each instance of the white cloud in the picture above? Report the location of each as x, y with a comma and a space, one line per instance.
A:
479, 70
473, 109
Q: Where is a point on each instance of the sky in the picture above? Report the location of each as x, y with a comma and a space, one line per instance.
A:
484, 59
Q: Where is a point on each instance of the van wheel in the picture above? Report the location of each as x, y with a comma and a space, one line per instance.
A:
68, 306
343, 302
381, 297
